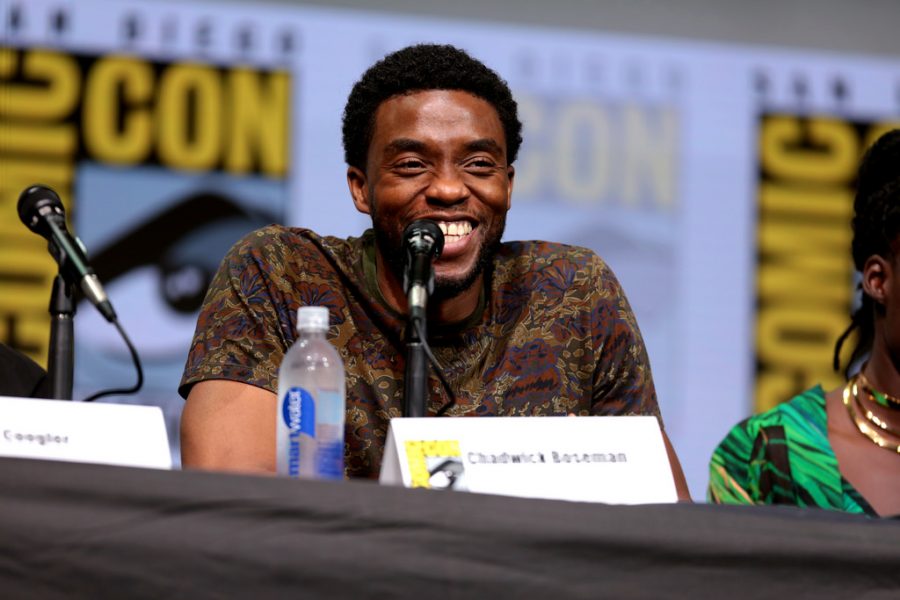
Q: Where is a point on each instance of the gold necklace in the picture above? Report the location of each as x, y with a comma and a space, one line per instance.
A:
864, 426
880, 398
872, 417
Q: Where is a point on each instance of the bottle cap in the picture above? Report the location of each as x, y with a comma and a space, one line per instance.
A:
312, 318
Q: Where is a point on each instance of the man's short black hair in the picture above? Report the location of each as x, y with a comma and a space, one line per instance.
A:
418, 68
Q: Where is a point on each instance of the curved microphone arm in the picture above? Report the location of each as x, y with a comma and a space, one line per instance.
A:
137, 365
439, 371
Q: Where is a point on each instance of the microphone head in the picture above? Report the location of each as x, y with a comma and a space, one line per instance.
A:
37, 201
424, 236
423, 242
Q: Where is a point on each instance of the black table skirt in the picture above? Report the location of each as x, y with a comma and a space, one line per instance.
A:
74, 530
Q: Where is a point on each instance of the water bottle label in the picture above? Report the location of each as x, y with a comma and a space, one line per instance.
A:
298, 409
330, 459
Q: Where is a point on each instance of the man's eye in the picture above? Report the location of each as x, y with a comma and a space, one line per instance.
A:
480, 164
409, 165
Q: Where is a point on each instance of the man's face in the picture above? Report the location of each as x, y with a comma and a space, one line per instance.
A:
438, 155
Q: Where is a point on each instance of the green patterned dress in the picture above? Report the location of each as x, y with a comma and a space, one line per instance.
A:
783, 457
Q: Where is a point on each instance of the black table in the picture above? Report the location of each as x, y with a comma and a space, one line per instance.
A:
75, 530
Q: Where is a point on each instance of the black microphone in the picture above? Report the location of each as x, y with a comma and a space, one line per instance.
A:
42, 212
423, 242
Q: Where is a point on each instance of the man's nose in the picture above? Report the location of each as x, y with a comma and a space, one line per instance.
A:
447, 187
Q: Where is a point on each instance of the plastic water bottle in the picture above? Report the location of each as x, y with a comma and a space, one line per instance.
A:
311, 400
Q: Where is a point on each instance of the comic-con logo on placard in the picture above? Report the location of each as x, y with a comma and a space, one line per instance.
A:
436, 464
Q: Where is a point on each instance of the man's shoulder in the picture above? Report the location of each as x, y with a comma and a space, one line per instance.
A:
275, 241
295, 236
540, 253
555, 269
553, 279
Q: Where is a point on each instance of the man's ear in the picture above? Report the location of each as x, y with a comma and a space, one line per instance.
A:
359, 189
876, 274
510, 175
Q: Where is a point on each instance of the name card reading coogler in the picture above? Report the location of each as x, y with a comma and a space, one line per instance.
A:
616, 460
114, 434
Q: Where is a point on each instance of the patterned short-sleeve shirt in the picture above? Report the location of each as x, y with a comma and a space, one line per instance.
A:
553, 333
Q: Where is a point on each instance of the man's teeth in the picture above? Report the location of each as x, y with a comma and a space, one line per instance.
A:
455, 231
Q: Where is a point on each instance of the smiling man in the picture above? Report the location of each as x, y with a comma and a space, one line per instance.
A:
439, 155
521, 328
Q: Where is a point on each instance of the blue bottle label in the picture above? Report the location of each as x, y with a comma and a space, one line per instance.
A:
330, 459
298, 409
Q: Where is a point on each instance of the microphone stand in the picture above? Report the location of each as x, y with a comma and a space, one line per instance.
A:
423, 241
61, 355
416, 372
416, 380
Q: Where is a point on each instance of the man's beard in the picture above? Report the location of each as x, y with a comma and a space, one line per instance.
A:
390, 244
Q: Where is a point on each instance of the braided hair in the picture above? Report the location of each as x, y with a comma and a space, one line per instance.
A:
876, 224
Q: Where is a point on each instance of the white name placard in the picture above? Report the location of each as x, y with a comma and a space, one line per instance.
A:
615, 460
115, 434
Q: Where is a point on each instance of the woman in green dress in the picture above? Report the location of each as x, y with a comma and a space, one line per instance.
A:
840, 449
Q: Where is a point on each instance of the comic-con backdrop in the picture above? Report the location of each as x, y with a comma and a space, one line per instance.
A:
716, 180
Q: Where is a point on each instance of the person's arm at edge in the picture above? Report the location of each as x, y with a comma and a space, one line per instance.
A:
681, 486
228, 426
632, 369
